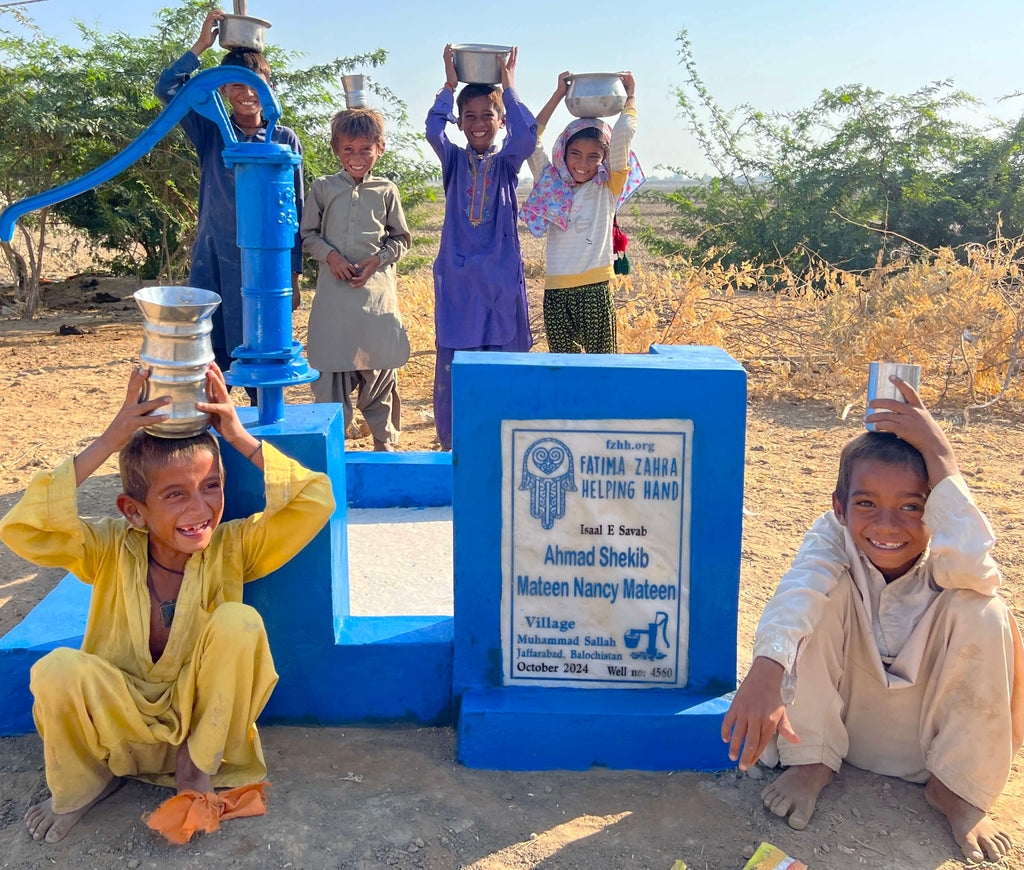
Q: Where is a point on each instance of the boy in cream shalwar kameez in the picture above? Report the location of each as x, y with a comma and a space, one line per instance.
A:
109, 710
354, 226
885, 644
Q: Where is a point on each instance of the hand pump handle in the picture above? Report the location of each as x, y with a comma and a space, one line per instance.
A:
198, 94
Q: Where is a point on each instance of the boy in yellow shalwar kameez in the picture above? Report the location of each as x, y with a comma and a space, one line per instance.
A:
173, 669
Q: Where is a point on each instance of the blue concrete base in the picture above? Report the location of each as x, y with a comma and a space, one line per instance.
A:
576, 729
400, 667
356, 679
392, 480
335, 668
58, 620
518, 728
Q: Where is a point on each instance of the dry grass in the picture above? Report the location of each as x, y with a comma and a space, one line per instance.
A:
416, 292
813, 335
958, 314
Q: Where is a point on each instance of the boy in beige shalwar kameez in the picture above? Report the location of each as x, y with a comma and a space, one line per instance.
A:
354, 226
885, 644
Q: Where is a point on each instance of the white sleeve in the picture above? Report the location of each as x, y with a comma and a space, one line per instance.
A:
622, 140
538, 161
962, 539
794, 610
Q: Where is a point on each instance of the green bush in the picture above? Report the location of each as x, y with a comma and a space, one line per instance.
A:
858, 175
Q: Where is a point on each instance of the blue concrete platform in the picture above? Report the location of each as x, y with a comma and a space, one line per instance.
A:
58, 620
392, 480
576, 729
335, 668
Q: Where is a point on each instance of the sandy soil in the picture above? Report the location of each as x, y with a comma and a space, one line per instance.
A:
367, 798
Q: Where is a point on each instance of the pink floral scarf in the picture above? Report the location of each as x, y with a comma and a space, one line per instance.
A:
551, 198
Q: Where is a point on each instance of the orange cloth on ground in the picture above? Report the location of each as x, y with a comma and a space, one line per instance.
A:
179, 817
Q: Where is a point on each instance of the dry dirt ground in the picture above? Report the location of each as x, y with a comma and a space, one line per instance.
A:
378, 797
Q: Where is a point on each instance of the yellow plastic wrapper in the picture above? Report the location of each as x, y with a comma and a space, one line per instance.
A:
769, 857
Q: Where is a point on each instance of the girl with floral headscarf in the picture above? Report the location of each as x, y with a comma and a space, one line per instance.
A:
575, 196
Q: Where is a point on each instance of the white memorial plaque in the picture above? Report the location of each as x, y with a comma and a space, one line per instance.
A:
595, 552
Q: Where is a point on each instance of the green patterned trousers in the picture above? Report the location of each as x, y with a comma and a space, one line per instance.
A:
580, 319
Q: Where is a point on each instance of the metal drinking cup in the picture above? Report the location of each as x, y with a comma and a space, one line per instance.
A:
880, 387
355, 91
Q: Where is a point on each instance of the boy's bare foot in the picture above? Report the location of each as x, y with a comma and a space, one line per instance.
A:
44, 824
795, 791
976, 834
187, 775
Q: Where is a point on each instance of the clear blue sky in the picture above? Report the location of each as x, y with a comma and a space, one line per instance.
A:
775, 56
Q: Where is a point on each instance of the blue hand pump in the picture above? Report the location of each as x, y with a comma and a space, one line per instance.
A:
267, 220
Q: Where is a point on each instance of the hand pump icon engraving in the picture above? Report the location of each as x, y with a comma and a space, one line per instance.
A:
651, 654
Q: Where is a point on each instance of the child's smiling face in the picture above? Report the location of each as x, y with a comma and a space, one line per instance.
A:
245, 105
358, 154
480, 120
583, 158
184, 505
884, 512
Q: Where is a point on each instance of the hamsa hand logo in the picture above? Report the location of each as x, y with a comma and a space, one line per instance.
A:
547, 473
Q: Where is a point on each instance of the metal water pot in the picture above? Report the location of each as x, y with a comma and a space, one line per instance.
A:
477, 63
243, 31
176, 346
595, 95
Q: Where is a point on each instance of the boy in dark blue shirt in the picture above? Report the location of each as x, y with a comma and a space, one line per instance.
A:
216, 258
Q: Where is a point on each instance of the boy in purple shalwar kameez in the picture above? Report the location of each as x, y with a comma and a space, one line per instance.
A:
479, 285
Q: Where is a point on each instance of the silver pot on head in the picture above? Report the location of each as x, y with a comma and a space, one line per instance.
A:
177, 348
595, 95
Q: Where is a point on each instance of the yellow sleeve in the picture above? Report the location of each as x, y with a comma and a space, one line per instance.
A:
44, 526
299, 504
617, 181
